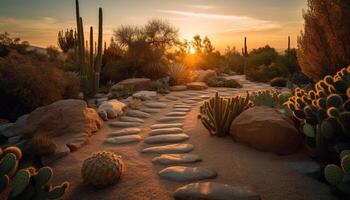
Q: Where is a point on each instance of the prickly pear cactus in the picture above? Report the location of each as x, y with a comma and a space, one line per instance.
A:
217, 113
9, 160
324, 114
102, 169
340, 176
270, 98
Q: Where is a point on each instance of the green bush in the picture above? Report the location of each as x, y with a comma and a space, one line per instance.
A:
27, 83
278, 82
218, 81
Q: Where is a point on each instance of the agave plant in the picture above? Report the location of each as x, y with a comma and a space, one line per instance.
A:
177, 73
217, 113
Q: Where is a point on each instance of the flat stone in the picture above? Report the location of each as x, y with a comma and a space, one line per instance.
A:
182, 106
176, 114
195, 99
197, 86
189, 102
77, 143
137, 113
215, 191
150, 110
14, 139
155, 104
124, 124
145, 95
192, 93
170, 125
167, 159
131, 119
126, 131
165, 131
181, 110
123, 139
204, 96
181, 95
181, 173
307, 168
168, 138
172, 148
164, 100
173, 98
178, 88
167, 119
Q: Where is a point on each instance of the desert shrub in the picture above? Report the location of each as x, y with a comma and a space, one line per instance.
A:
265, 73
123, 94
7, 43
262, 56
39, 146
278, 82
160, 85
27, 83
178, 74
234, 61
324, 44
218, 81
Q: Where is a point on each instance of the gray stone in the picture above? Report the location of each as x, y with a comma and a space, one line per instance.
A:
131, 119
165, 131
155, 104
111, 114
172, 148
168, 119
123, 139
8, 130
170, 138
77, 143
215, 191
14, 139
145, 95
176, 114
167, 159
308, 168
181, 173
170, 125
99, 101
164, 100
137, 113
181, 110
173, 98
103, 114
150, 110
124, 124
126, 131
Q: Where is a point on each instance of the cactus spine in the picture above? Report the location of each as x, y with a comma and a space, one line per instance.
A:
89, 61
217, 113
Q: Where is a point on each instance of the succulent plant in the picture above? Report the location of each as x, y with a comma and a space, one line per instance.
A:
217, 113
270, 98
34, 185
340, 176
324, 113
102, 169
8, 165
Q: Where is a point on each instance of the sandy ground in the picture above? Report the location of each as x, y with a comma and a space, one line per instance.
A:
235, 164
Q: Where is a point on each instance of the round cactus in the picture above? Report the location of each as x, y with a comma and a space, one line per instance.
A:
102, 169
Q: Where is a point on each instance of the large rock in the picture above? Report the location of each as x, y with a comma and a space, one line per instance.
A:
145, 95
135, 83
178, 88
197, 86
266, 129
111, 109
66, 117
205, 75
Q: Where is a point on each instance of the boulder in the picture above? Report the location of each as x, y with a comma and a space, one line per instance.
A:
205, 75
197, 86
135, 83
64, 117
178, 88
266, 129
145, 95
111, 109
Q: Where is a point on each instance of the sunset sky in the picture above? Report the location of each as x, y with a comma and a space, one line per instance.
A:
225, 22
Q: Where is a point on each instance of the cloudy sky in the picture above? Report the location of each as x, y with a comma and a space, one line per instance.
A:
225, 22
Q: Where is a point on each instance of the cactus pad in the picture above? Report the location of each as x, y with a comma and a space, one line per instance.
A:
20, 182
333, 174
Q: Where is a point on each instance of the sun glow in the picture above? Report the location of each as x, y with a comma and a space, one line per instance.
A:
191, 50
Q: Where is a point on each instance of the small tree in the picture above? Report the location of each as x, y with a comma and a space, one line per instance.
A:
324, 45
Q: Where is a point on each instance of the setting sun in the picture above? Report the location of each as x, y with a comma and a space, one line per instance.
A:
191, 50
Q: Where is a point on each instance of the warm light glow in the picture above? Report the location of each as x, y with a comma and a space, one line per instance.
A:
191, 50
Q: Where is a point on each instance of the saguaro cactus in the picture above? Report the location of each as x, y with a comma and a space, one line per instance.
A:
245, 52
89, 61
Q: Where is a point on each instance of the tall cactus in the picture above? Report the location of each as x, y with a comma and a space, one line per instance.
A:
89, 61
245, 52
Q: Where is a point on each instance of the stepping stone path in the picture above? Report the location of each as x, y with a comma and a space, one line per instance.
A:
173, 98
124, 124
181, 110
217, 191
171, 125
126, 131
167, 159
182, 106
176, 114
189, 101
165, 131
150, 110
123, 139
181, 173
131, 119
171, 149
167, 119
137, 113
168, 138
155, 104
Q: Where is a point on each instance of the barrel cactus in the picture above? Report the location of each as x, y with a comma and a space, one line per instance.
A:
340, 176
102, 169
324, 113
217, 113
